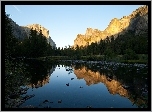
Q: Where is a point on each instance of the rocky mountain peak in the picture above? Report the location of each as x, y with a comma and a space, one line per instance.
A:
137, 22
38, 27
21, 32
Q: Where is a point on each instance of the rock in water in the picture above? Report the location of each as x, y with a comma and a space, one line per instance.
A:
67, 84
72, 78
45, 101
59, 101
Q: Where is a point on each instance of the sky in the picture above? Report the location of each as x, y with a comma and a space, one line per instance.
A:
64, 22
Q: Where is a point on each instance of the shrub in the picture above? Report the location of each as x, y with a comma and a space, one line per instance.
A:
130, 55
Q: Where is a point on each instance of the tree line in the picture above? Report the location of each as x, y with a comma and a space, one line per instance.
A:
36, 45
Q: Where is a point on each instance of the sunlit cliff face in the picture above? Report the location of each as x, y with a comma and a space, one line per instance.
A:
40, 83
38, 27
137, 22
113, 86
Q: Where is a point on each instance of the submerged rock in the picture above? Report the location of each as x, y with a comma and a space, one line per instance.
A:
67, 69
72, 78
45, 101
81, 87
59, 101
67, 84
89, 106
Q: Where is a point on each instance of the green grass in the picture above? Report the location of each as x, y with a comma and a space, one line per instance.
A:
134, 61
51, 58
142, 58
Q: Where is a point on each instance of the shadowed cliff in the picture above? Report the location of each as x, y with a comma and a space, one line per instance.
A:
22, 32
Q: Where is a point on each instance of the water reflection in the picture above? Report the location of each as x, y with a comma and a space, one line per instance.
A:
121, 81
114, 86
124, 81
132, 87
23, 73
39, 73
44, 81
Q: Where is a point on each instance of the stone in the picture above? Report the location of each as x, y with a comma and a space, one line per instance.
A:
137, 22
59, 101
72, 78
45, 101
22, 32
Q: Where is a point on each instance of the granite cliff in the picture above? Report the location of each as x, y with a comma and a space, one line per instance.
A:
45, 32
137, 22
21, 32
18, 31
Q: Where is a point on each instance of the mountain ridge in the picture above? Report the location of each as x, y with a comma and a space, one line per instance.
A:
21, 32
137, 22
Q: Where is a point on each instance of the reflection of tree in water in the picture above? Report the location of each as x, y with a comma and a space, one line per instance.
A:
22, 72
128, 85
39, 73
15, 77
42, 82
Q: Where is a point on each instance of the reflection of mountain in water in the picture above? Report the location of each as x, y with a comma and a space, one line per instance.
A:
90, 77
45, 80
115, 84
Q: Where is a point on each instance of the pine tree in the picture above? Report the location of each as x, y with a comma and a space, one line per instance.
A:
10, 41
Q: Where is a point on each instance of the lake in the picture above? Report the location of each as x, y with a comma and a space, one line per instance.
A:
81, 84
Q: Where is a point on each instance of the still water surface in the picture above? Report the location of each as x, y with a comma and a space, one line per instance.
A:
87, 85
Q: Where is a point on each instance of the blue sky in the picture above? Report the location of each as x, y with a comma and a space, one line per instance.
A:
64, 22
